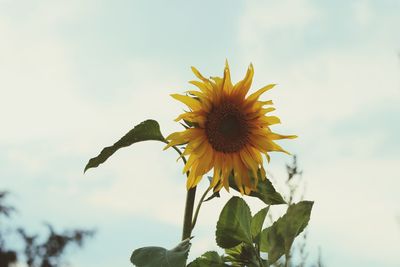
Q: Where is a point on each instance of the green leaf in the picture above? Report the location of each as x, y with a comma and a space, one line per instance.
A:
278, 238
265, 191
243, 255
273, 243
209, 259
161, 257
265, 263
147, 130
234, 224
257, 222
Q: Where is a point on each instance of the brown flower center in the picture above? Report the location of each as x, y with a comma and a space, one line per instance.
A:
226, 128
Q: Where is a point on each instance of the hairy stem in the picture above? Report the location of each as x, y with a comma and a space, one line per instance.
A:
196, 214
189, 205
187, 219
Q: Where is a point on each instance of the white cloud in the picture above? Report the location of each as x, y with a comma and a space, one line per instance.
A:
43, 102
363, 13
264, 18
356, 204
264, 24
45, 117
330, 83
353, 188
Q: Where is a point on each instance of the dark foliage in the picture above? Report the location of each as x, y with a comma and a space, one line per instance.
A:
46, 253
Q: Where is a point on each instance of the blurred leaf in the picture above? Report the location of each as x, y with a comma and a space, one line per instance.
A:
278, 238
161, 257
5, 209
51, 250
265, 191
147, 130
209, 259
257, 222
234, 224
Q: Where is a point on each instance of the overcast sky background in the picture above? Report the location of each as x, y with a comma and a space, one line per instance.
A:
77, 75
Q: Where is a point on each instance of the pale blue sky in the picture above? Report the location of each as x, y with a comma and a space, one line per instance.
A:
76, 75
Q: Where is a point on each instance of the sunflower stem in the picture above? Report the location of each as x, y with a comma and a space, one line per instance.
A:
196, 214
190, 197
187, 219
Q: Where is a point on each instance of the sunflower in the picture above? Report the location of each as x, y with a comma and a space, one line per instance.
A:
226, 131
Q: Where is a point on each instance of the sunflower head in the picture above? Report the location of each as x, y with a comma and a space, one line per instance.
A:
227, 131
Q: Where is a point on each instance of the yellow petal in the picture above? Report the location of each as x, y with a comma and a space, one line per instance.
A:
198, 74
191, 178
196, 93
188, 101
227, 83
189, 163
263, 103
269, 120
249, 160
275, 136
206, 160
225, 182
239, 171
247, 190
272, 146
197, 180
205, 87
242, 87
192, 117
248, 79
216, 177
176, 139
264, 144
254, 96
205, 102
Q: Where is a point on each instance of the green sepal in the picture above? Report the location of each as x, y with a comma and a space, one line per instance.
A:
234, 224
147, 130
190, 124
214, 195
277, 239
161, 257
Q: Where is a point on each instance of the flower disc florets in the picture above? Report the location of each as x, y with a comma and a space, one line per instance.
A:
229, 132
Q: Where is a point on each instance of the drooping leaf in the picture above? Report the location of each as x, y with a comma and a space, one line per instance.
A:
265, 191
161, 257
209, 259
234, 224
257, 222
147, 130
278, 238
